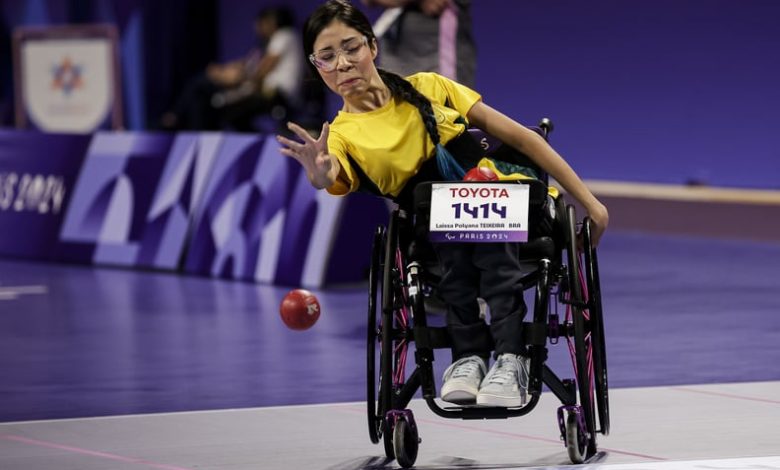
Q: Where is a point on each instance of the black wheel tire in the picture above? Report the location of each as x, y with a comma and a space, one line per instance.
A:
580, 331
597, 331
576, 447
386, 333
374, 412
406, 443
387, 441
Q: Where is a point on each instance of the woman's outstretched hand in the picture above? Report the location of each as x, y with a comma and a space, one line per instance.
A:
321, 168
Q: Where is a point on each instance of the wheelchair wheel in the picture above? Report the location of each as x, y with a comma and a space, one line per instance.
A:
375, 411
387, 442
405, 442
597, 330
576, 441
583, 345
386, 331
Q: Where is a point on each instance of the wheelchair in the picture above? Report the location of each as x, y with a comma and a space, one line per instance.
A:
402, 283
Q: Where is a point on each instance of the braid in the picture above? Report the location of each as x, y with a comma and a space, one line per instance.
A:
402, 89
448, 166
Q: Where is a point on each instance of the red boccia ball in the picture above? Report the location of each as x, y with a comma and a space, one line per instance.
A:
480, 173
300, 309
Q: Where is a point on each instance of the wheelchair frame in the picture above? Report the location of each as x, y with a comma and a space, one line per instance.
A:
397, 317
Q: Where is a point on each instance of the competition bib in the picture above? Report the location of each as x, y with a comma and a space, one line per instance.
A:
481, 212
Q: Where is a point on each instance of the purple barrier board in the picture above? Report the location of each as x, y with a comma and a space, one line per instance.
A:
260, 219
213, 204
106, 220
37, 174
178, 196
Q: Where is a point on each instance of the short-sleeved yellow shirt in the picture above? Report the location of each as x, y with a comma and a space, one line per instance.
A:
391, 143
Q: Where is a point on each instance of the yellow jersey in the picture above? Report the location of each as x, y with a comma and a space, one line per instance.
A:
390, 143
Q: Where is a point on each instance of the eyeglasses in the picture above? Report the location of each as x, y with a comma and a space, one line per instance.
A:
327, 59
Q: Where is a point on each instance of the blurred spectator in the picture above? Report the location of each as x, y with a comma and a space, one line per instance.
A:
231, 95
427, 36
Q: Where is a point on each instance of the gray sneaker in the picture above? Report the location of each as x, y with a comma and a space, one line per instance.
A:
506, 385
462, 379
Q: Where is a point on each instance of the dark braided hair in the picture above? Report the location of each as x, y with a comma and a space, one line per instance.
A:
400, 88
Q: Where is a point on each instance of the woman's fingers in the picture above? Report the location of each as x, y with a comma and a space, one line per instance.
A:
301, 132
309, 144
290, 153
311, 154
289, 143
324, 132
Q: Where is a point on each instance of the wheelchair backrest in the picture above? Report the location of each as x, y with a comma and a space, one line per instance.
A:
497, 150
486, 141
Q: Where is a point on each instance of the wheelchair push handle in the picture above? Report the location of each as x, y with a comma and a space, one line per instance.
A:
546, 126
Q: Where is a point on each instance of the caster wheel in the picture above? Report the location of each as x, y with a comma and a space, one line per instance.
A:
576, 438
405, 442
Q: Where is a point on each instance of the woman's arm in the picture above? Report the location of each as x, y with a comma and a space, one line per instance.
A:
532, 144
